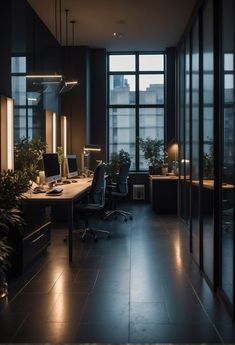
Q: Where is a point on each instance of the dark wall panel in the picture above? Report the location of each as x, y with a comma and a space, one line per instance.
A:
5, 61
98, 119
75, 104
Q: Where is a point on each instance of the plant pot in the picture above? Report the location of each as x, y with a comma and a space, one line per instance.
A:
164, 170
154, 170
3, 284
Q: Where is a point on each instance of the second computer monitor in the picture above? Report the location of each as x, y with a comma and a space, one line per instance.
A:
51, 167
72, 168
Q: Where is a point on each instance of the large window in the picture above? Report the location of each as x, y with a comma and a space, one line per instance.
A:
136, 103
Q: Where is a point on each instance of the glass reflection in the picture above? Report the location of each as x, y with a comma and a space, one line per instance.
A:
227, 187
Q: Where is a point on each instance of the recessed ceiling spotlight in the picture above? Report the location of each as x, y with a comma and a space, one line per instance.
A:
117, 34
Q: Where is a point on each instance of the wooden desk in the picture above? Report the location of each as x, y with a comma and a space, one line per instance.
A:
163, 193
71, 192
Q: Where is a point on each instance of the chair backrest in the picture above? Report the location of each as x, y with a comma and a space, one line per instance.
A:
97, 193
122, 185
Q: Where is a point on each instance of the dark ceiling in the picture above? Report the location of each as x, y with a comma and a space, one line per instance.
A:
141, 25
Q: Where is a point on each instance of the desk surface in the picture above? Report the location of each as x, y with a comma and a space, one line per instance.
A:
70, 192
163, 177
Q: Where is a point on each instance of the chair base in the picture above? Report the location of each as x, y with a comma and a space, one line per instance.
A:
92, 232
123, 213
88, 231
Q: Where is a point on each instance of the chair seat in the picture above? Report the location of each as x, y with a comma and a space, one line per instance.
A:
89, 207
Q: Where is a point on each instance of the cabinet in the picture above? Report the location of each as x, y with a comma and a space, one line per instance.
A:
34, 239
164, 193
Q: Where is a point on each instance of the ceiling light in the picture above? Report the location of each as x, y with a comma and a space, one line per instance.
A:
118, 34
67, 83
42, 76
30, 99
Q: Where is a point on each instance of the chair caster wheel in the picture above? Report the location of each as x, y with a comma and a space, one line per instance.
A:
95, 239
65, 239
125, 220
131, 218
109, 237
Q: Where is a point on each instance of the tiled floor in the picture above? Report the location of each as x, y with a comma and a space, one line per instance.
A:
140, 286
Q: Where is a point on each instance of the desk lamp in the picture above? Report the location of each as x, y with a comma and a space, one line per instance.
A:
86, 150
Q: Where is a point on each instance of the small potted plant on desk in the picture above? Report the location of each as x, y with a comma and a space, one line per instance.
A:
154, 154
28, 154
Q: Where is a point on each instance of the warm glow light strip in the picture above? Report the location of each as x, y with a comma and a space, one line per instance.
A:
91, 149
10, 148
54, 132
44, 76
64, 134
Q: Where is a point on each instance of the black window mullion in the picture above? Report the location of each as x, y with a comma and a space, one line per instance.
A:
137, 130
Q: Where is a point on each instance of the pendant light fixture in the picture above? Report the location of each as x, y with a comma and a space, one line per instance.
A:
68, 84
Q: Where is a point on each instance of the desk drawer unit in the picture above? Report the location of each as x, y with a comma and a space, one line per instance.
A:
35, 243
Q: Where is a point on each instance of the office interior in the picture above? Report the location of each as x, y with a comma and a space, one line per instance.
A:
167, 276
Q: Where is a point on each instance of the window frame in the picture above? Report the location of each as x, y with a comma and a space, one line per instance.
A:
137, 106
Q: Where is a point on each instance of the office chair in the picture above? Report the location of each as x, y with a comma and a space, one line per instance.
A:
119, 190
94, 204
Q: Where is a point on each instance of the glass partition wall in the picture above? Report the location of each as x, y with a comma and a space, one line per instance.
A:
206, 134
227, 161
207, 190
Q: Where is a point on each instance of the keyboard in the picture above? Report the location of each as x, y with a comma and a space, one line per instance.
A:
54, 191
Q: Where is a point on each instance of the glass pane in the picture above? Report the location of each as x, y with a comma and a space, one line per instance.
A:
122, 132
227, 187
151, 62
122, 89
18, 64
151, 122
19, 90
187, 112
119, 63
228, 62
151, 88
19, 123
195, 145
228, 88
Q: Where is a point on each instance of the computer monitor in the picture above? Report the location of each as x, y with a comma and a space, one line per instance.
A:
72, 169
51, 167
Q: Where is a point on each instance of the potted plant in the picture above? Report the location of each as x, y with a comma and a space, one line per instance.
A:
154, 154
12, 185
115, 162
28, 154
5, 252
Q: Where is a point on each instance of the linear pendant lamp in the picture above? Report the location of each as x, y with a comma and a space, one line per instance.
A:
42, 76
7, 133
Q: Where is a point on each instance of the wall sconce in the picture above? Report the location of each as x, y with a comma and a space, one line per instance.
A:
7, 133
63, 134
86, 150
50, 122
172, 150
